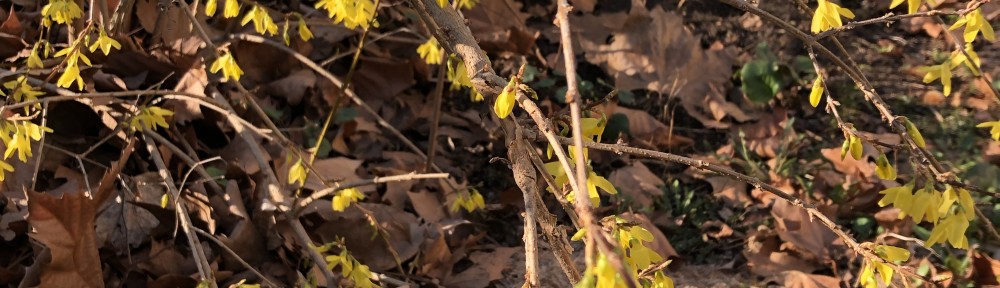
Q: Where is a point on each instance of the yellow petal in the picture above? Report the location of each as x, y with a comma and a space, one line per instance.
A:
506, 100
914, 133
856, 147
817, 91
883, 169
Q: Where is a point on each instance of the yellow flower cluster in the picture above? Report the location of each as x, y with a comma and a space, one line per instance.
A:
591, 128
994, 128
345, 198
974, 23
943, 71
18, 134
890, 254
351, 269
149, 118
61, 11
638, 256
226, 63
459, 78
353, 13
469, 200
950, 211
827, 16
431, 51
262, 22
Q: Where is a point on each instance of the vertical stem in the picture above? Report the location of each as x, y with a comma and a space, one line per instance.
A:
436, 118
582, 199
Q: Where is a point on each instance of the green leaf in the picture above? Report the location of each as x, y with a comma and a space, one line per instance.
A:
345, 114
617, 125
761, 81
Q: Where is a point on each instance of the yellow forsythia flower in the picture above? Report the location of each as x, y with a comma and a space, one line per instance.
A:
888, 253
467, 4
298, 173
226, 63
974, 23
105, 43
345, 197
18, 136
506, 100
149, 118
994, 128
4, 168
900, 197
210, 7
883, 169
828, 16
351, 269
262, 22
23, 91
459, 78
469, 200
913, 5
304, 31
34, 61
231, 9
951, 229
941, 71
62, 11
70, 74
353, 13
430, 51
817, 91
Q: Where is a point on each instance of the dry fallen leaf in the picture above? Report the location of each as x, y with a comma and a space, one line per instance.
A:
645, 127
985, 269
766, 259
648, 50
403, 229
732, 191
809, 237
486, 268
638, 184
66, 226
797, 279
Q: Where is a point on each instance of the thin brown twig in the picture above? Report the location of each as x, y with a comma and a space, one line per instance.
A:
436, 117
182, 214
582, 203
455, 36
753, 181
337, 82
236, 256
377, 180
888, 18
